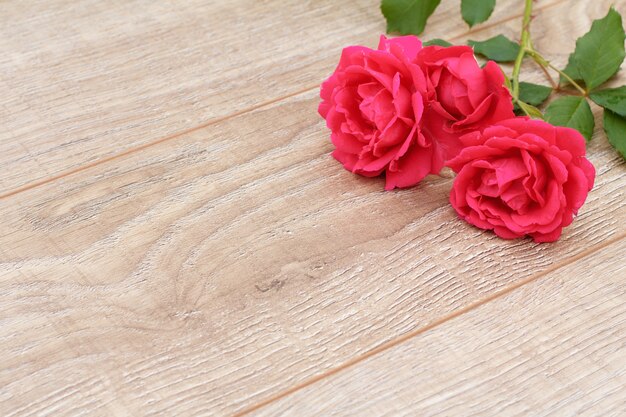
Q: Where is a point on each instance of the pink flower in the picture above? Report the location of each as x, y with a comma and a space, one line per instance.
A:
521, 177
373, 104
461, 96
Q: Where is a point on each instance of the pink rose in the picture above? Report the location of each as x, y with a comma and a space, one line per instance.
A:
373, 104
521, 177
461, 96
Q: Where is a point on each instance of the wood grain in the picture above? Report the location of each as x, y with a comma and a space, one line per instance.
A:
208, 273
185, 282
94, 79
555, 347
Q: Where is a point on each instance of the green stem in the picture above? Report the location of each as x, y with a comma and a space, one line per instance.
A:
526, 48
525, 45
553, 84
546, 64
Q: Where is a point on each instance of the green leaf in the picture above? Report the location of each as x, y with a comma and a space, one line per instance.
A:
615, 128
613, 99
438, 42
530, 110
571, 111
407, 16
534, 94
572, 70
476, 11
499, 48
600, 52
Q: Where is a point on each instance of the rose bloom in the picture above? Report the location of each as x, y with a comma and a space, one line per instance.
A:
373, 104
462, 97
521, 177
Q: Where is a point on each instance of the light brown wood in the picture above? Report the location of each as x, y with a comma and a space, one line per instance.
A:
555, 347
188, 287
96, 79
206, 274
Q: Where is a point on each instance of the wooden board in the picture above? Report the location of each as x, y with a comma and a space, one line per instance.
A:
211, 272
98, 79
188, 287
555, 347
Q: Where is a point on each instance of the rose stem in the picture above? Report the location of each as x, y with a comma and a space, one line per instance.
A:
524, 46
546, 64
554, 85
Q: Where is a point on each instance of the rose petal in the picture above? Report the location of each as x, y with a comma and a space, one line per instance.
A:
505, 233
545, 214
352, 55
576, 188
547, 237
346, 143
509, 169
412, 168
410, 45
570, 140
395, 133
471, 153
348, 160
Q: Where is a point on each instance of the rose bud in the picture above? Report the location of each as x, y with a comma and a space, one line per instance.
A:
521, 177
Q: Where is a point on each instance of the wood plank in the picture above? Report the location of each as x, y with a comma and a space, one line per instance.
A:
210, 272
83, 82
556, 346
203, 283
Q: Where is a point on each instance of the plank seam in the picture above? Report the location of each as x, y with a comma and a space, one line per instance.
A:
436, 323
216, 120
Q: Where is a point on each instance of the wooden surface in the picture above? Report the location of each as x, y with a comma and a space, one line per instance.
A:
176, 240
559, 352
96, 79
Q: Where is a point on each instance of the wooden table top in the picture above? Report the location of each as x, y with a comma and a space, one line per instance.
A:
176, 240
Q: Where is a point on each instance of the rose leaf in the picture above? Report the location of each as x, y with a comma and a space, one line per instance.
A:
600, 52
476, 11
615, 128
499, 48
407, 16
572, 70
525, 108
534, 94
613, 99
438, 42
571, 111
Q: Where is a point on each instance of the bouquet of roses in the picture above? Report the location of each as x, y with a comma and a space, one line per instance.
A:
408, 109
